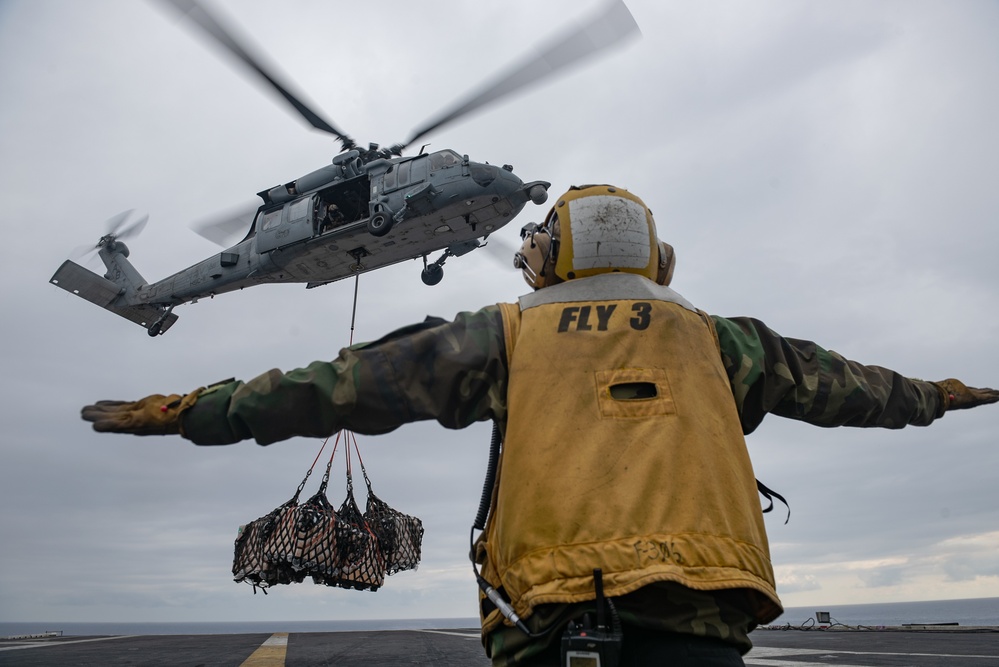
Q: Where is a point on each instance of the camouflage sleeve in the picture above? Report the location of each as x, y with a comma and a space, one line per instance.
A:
801, 380
454, 372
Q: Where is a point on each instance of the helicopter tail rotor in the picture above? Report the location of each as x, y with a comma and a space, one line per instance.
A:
117, 228
116, 289
113, 224
120, 231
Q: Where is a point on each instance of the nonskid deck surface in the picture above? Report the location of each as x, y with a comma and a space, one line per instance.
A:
461, 648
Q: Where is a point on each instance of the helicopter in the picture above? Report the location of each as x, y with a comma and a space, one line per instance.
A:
369, 208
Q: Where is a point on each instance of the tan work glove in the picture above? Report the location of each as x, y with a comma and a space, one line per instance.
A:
153, 415
958, 396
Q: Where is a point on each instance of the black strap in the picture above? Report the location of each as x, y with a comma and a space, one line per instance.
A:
770, 494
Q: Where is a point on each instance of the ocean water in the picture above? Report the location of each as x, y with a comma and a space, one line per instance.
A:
971, 612
976, 611
232, 627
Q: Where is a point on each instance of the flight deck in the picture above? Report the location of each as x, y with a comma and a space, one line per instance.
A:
912, 646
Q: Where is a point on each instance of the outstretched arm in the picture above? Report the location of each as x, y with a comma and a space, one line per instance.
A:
801, 380
454, 372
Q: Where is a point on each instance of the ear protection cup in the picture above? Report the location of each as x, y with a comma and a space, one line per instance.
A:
536, 258
667, 262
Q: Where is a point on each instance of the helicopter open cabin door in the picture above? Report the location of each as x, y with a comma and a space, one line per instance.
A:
289, 224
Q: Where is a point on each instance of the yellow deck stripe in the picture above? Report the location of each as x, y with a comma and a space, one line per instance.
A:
271, 653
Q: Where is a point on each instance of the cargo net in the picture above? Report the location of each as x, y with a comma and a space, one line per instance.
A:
335, 547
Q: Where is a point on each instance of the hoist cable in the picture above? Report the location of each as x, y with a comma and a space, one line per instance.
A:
353, 311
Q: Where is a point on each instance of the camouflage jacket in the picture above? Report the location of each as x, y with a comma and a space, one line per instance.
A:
456, 372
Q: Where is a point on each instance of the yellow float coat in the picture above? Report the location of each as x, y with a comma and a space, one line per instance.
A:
646, 487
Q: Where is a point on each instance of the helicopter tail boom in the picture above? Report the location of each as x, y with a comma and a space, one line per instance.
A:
108, 295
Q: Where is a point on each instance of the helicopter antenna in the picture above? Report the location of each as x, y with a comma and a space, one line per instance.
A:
606, 28
224, 37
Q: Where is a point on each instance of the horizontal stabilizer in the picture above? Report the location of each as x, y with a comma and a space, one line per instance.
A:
74, 278
99, 290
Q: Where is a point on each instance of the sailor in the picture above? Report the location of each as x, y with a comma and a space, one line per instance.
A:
623, 410
331, 218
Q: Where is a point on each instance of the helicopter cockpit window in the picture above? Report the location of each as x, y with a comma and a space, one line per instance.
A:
418, 169
389, 179
270, 220
442, 159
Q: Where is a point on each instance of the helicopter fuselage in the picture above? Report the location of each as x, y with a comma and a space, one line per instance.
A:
368, 209
338, 221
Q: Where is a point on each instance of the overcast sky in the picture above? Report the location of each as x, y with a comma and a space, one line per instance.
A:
828, 167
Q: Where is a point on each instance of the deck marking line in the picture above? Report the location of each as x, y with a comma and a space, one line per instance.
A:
463, 635
793, 663
271, 653
916, 655
773, 651
74, 641
760, 655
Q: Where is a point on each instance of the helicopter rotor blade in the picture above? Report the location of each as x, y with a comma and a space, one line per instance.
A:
114, 228
241, 49
499, 249
228, 228
608, 27
114, 223
133, 229
83, 252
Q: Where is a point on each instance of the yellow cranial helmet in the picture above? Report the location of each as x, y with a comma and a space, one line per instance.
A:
594, 229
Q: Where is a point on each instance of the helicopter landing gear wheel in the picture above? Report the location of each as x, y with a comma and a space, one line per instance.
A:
156, 328
433, 274
379, 224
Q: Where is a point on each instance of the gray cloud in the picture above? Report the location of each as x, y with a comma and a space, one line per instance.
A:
883, 576
824, 167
